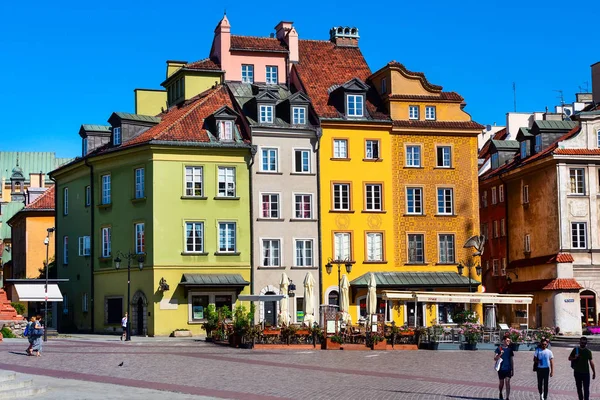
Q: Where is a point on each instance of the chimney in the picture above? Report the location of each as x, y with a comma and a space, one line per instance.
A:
282, 29
344, 36
222, 43
596, 82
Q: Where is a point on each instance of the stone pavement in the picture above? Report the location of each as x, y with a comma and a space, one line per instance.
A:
156, 367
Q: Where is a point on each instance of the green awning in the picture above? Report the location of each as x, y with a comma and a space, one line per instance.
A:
407, 280
213, 280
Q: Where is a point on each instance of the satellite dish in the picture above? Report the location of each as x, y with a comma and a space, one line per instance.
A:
488, 127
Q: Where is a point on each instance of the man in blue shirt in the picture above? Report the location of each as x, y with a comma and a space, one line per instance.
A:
506, 370
545, 367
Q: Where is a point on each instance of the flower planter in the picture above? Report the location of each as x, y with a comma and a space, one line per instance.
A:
470, 346
182, 333
515, 346
379, 345
302, 332
328, 344
208, 339
432, 345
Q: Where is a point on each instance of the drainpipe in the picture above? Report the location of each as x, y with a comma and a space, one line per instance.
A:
92, 247
319, 134
253, 151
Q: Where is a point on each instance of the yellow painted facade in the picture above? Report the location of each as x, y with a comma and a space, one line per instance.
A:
150, 102
196, 84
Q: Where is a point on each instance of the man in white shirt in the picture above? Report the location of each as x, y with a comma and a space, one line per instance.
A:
545, 367
124, 326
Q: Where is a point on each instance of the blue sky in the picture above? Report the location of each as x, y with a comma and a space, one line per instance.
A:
65, 63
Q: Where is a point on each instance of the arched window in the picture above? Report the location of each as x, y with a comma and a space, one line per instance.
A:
333, 298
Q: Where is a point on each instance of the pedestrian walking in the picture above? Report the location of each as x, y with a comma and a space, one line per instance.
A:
30, 336
581, 361
506, 368
38, 333
544, 360
124, 326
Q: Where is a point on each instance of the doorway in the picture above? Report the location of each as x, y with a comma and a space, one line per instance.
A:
415, 313
270, 311
140, 317
588, 308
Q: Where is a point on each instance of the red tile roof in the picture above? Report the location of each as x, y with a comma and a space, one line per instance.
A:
578, 152
185, 123
323, 65
44, 202
203, 65
544, 284
252, 43
564, 258
438, 124
549, 259
450, 96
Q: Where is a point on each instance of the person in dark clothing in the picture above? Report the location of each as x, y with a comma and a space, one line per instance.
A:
581, 361
506, 369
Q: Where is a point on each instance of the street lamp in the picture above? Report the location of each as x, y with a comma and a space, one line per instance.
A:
469, 264
140, 259
508, 280
47, 243
329, 268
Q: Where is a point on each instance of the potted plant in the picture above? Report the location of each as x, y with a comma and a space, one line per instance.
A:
333, 342
545, 332
464, 316
377, 341
434, 332
472, 333
316, 334
288, 333
242, 325
516, 338
212, 321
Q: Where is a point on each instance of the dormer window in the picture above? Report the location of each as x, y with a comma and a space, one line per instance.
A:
355, 105
538, 143
495, 161
117, 136
524, 149
383, 86
299, 115
85, 146
226, 130
266, 114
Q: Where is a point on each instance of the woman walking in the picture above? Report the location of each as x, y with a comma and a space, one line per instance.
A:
38, 331
506, 368
544, 359
30, 335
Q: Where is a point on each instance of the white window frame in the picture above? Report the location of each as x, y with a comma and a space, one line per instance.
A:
65, 250
503, 267
579, 235
494, 195
430, 113
501, 193
598, 137
106, 236
373, 194
340, 148
446, 159
66, 201
338, 191
83, 246
525, 194
372, 254
266, 154
372, 149
305, 155
358, 104
577, 181
271, 75
342, 246
190, 226
502, 227
228, 180
298, 115
225, 130
140, 186
418, 259
270, 207
527, 244
442, 204
417, 204
299, 213
106, 190
247, 73
446, 250
227, 236
495, 267
413, 112
194, 180
117, 135
88, 196
495, 229
274, 257
266, 113
303, 256
139, 229
413, 156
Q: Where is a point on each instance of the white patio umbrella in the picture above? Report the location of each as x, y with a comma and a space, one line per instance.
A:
309, 299
345, 299
284, 313
372, 295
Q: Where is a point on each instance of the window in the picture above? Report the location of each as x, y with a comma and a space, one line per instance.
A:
140, 238
88, 196
373, 194
226, 131
66, 201
266, 114
302, 161
430, 112
341, 246
381, 307
340, 148
374, 246
524, 149
445, 201
303, 206
84, 302
415, 248
333, 299
577, 180
413, 112
140, 191
446, 249
226, 182
269, 160
598, 136
354, 105
494, 195
227, 237
383, 86
199, 305
105, 189
194, 237
578, 235
247, 73
495, 161
503, 268
85, 146
525, 194
84, 246
444, 156
538, 143
299, 115
413, 156
271, 75
501, 193
484, 231
414, 200
341, 196
502, 227
495, 267
117, 136
193, 181
106, 251
484, 199
198, 302
65, 250
113, 310
270, 206
372, 150
495, 225
304, 253
527, 244
271, 252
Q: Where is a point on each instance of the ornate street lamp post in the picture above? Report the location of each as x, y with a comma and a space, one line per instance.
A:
140, 259
329, 268
47, 243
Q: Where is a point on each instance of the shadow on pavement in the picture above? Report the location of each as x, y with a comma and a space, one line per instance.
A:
18, 353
